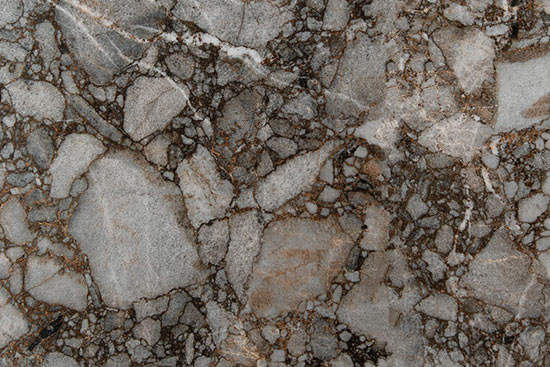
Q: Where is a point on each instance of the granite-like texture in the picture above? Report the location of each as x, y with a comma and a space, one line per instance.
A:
342, 183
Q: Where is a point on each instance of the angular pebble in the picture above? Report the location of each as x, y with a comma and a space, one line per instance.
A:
40, 147
14, 222
38, 99
151, 103
291, 178
207, 195
298, 259
246, 234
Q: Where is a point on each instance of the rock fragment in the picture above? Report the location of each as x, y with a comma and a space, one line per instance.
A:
151, 103
246, 234
336, 15
441, 306
499, 275
128, 222
250, 24
207, 195
522, 92
101, 50
73, 158
213, 239
291, 178
532, 207
13, 324
298, 259
359, 85
12, 10
40, 147
470, 53
47, 281
458, 136
14, 223
38, 99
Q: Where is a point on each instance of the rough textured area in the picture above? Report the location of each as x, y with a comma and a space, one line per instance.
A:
272, 183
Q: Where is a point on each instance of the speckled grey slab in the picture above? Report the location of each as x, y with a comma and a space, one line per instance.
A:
269, 183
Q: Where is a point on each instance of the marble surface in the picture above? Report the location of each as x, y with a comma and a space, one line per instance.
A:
343, 183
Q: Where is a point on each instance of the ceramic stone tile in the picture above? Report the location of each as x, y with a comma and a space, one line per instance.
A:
269, 183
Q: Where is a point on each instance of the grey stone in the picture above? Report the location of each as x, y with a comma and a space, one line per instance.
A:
359, 84
324, 343
145, 308
13, 323
490, 160
416, 207
176, 306
213, 239
271, 333
336, 15
499, 275
119, 360
100, 49
192, 317
459, 13
343, 360
282, 146
368, 307
522, 91
38, 99
532, 207
219, 320
459, 136
129, 224
73, 158
20, 179
510, 189
266, 165
40, 147
297, 261
436, 265
296, 344
56, 359
14, 223
148, 330
12, 10
78, 187
470, 53
246, 234
241, 118
2, 176
207, 195
441, 306
293, 177
57, 249
303, 106
45, 35
157, 150
180, 65
329, 194
151, 103
43, 214
444, 239
243, 24
47, 280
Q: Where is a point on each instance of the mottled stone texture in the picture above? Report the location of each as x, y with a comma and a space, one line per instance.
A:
269, 183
